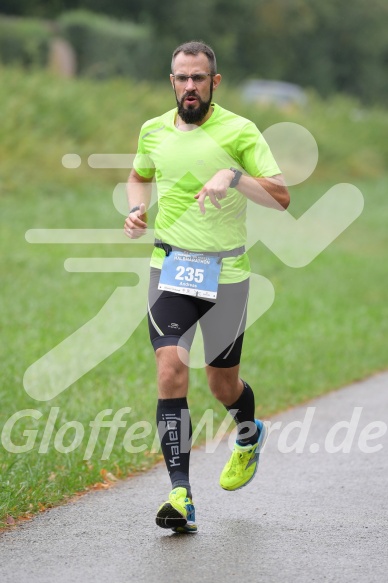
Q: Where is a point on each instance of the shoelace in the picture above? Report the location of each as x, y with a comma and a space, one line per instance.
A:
237, 465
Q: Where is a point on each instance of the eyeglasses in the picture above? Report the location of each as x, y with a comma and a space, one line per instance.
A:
197, 79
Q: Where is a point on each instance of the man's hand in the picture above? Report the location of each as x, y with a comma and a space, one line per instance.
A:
134, 226
216, 189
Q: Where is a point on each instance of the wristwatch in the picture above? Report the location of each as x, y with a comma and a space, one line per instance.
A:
236, 177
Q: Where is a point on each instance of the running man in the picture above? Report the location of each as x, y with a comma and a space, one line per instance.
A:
207, 162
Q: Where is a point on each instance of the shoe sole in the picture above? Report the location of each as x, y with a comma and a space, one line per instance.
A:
188, 529
261, 443
169, 517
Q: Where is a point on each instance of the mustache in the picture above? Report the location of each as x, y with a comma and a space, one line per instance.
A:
190, 94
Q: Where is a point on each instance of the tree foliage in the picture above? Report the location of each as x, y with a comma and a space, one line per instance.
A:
331, 45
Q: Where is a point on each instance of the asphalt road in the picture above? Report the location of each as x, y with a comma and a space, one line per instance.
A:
308, 516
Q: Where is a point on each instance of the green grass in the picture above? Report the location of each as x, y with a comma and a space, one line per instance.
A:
327, 326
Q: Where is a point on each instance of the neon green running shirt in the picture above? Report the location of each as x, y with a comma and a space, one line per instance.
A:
182, 162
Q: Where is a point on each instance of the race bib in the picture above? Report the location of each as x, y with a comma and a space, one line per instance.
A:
194, 274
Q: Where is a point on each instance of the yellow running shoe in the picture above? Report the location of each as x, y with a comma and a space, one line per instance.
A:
178, 513
242, 466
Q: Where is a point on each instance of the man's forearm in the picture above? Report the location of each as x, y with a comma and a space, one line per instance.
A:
270, 192
138, 190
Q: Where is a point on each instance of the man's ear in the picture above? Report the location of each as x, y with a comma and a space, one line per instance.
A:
216, 80
172, 80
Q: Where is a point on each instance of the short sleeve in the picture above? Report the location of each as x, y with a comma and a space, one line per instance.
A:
254, 153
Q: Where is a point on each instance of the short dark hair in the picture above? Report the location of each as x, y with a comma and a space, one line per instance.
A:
194, 48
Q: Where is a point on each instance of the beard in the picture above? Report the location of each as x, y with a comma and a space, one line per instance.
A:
193, 114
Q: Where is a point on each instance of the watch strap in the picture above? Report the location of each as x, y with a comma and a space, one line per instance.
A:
236, 177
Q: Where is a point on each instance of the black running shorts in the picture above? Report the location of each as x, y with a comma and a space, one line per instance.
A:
172, 320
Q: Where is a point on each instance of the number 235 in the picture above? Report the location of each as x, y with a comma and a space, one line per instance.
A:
189, 274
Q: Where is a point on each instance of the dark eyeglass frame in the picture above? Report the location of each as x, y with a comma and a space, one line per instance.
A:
196, 78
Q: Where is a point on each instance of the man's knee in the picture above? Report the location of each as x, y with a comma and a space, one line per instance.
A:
172, 373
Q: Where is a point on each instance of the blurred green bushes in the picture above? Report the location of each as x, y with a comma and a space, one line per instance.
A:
24, 41
104, 47
332, 47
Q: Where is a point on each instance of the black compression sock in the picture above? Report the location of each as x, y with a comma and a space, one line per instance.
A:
244, 413
174, 427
